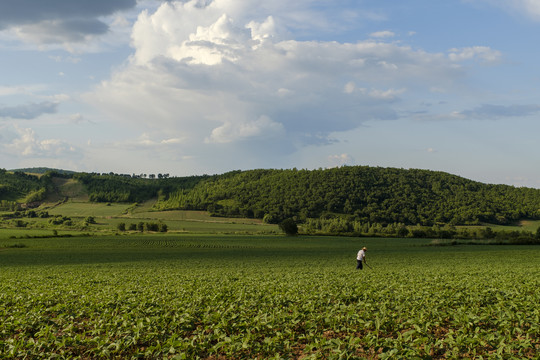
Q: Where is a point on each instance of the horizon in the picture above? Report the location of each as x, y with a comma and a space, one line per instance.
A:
202, 87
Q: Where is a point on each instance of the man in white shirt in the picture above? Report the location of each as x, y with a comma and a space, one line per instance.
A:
361, 257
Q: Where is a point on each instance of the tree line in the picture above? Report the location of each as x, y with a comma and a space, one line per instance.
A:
351, 194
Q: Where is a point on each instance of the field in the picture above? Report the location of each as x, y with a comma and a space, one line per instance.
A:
189, 296
109, 215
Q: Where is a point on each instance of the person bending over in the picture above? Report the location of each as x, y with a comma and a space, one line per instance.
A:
360, 258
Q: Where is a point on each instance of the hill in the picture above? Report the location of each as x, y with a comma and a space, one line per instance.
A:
42, 170
18, 187
361, 194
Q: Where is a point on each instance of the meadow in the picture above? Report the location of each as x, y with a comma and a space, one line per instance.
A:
107, 216
214, 296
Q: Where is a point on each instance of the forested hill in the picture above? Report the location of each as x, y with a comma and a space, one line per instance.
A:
362, 193
357, 193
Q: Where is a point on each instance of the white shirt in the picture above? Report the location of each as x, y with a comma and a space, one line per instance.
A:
361, 255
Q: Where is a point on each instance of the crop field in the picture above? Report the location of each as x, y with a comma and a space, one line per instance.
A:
190, 296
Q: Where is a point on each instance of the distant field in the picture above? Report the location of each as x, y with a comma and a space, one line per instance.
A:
108, 216
83, 209
523, 225
188, 296
6, 234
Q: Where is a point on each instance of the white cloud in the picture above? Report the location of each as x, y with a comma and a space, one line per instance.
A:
532, 7
382, 34
221, 73
147, 141
262, 127
340, 160
349, 87
27, 144
482, 53
390, 94
528, 8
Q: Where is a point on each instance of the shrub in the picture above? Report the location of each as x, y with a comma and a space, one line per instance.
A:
90, 220
289, 227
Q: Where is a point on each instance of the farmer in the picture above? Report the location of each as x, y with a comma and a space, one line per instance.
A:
361, 257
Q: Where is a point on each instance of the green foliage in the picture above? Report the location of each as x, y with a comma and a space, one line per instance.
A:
140, 226
21, 187
346, 199
163, 227
46, 170
121, 226
61, 220
201, 297
126, 188
289, 227
367, 194
90, 220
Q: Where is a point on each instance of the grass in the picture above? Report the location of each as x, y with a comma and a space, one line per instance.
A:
188, 296
83, 209
15, 233
108, 216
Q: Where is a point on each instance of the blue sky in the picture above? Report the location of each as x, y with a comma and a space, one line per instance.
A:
207, 86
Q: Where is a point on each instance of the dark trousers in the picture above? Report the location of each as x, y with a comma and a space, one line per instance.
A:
359, 264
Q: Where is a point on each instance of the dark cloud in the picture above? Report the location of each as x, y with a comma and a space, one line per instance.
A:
13, 12
51, 32
59, 20
488, 111
29, 111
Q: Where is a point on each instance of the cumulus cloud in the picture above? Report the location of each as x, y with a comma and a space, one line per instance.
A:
29, 111
262, 127
382, 34
58, 21
27, 144
224, 73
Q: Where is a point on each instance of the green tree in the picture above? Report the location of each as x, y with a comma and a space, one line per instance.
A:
289, 227
90, 220
163, 227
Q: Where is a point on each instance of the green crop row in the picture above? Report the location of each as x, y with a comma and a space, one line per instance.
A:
266, 297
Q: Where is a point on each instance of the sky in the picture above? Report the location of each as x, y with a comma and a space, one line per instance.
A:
198, 87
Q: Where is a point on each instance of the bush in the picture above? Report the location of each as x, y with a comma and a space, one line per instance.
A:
149, 226
20, 223
163, 227
289, 227
90, 220
121, 226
